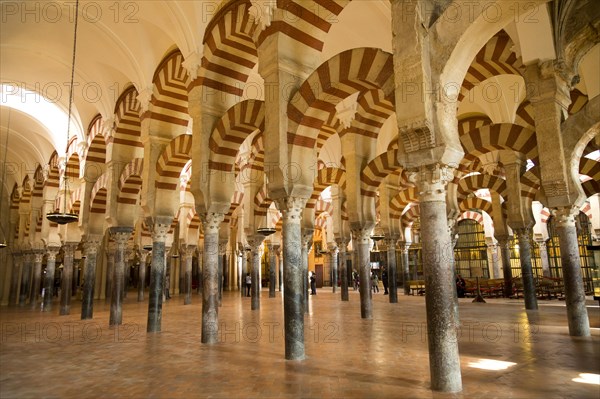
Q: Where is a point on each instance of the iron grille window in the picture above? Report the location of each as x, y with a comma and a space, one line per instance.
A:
470, 252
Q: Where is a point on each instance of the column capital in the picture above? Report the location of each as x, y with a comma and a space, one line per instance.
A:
291, 208
111, 248
52, 252
120, 235
307, 235
362, 235
69, 248
91, 247
524, 233
211, 221
431, 181
342, 243
189, 250
38, 256
565, 216
159, 232
255, 240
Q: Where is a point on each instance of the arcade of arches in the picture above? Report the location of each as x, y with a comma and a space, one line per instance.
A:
211, 140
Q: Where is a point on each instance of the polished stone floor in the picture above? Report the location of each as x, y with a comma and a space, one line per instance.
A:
505, 352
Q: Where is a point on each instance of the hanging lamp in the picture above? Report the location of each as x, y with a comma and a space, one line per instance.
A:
266, 231
3, 242
65, 217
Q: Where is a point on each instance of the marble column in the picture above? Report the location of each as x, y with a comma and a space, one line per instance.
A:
272, 271
307, 235
120, 236
524, 234
14, 279
405, 267
244, 270
89, 279
577, 315
280, 268
342, 245
110, 271
49, 278
37, 278
142, 275
361, 238
126, 271
544, 258
66, 282
440, 287
225, 276
493, 251
504, 243
157, 273
293, 294
210, 278
255, 243
25, 278
333, 261
188, 251
221, 266
392, 269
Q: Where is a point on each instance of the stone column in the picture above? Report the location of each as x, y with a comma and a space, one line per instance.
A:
66, 281
523, 234
120, 235
493, 251
504, 242
49, 278
342, 245
255, 243
110, 271
89, 279
333, 261
392, 269
361, 238
293, 312
544, 258
272, 270
244, 270
142, 275
157, 273
210, 278
25, 278
37, 278
307, 235
187, 278
405, 267
221, 266
442, 324
577, 315
14, 279
279, 268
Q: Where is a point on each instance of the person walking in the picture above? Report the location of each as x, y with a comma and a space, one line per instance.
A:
375, 281
248, 284
313, 284
384, 279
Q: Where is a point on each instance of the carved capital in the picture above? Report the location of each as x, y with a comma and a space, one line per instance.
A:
211, 221
262, 12
51, 252
159, 232
91, 247
38, 256
291, 208
524, 233
361, 235
431, 181
120, 235
565, 216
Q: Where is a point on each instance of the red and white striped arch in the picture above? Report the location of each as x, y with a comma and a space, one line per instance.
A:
495, 58
501, 136
403, 199
130, 182
229, 50
466, 124
127, 120
524, 115
99, 194
73, 170
476, 203
306, 22
170, 98
53, 179
233, 128
361, 69
378, 169
411, 214
530, 183
172, 161
578, 101
476, 216
38, 183
326, 177
96, 142
472, 183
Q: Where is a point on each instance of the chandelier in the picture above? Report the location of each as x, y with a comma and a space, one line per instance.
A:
64, 217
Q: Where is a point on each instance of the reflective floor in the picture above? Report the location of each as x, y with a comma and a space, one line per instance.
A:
505, 352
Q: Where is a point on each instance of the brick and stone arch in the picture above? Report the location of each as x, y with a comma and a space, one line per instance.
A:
96, 142
472, 183
126, 138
